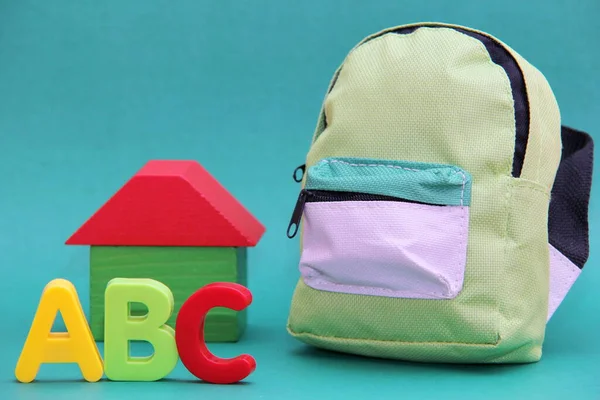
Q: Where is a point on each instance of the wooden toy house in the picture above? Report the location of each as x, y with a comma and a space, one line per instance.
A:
173, 222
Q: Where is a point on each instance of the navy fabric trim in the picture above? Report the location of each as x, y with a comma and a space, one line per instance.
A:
502, 57
568, 228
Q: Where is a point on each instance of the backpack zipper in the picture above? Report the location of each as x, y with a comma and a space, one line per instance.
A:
308, 196
501, 56
297, 214
302, 169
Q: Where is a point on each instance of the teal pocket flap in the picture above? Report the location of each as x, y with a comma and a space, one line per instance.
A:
413, 181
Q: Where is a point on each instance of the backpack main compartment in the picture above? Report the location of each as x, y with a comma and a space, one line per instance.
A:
425, 202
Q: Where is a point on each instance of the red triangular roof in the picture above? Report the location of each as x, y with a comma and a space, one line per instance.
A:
171, 203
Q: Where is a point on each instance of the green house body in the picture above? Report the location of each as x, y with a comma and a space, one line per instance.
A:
174, 223
183, 269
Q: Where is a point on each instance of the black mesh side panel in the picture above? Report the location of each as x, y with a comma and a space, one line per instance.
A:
568, 216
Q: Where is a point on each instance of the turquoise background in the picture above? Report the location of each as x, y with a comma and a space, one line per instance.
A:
91, 90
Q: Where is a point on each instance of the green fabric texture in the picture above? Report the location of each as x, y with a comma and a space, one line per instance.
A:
422, 182
435, 96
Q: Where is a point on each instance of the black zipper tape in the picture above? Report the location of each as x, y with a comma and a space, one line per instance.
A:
307, 196
502, 57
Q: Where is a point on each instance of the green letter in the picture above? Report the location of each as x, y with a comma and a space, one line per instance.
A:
120, 328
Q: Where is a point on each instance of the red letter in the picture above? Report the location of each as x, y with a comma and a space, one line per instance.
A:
189, 334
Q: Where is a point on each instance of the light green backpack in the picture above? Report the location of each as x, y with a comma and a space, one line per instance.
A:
443, 215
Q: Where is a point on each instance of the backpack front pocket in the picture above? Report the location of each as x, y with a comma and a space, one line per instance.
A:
384, 228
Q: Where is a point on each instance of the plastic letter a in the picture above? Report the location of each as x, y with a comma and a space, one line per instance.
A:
74, 346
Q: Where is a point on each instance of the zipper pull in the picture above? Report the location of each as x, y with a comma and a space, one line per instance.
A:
302, 170
297, 214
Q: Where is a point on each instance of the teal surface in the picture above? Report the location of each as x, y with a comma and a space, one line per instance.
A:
91, 90
422, 182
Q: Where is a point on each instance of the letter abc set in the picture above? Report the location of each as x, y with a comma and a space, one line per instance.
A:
185, 342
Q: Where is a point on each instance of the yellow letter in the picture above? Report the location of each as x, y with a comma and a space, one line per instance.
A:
74, 346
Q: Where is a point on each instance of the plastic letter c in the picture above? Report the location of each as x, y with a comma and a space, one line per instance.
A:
189, 334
